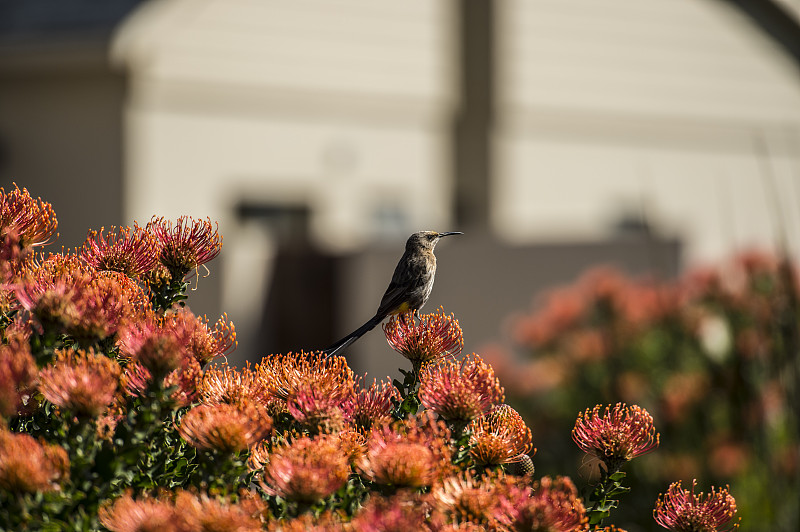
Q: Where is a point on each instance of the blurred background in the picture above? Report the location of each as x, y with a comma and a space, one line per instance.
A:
654, 136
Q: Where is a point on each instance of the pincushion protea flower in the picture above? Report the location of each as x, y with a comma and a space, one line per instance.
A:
553, 506
204, 513
225, 428
28, 466
370, 406
132, 251
286, 376
306, 469
18, 373
410, 454
186, 244
233, 386
620, 434
499, 436
143, 515
82, 382
426, 337
488, 501
403, 512
203, 342
185, 378
66, 296
683, 511
459, 391
33, 220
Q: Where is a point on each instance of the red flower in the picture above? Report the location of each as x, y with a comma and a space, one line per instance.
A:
232, 386
125, 250
306, 469
27, 466
80, 381
489, 501
424, 338
370, 406
620, 434
287, 376
144, 515
225, 428
683, 511
33, 220
17, 376
459, 391
186, 244
554, 506
499, 436
65, 295
413, 454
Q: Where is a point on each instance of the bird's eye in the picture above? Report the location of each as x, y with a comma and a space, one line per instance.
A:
431, 237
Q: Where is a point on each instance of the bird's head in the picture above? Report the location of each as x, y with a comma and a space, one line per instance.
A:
427, 240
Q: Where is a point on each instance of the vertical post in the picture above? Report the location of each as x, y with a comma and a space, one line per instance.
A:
471, 140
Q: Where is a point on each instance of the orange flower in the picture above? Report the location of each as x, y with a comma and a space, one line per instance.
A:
306, 469
424, 338
413, 454
27, 466
194, 334
130, 251
459, 391
82, 382
66, 296
683, 511
288, 376
225, 428
620, 434
500, 436
143, 515
553, 506
33, 220
232, 386
489, 501
403, 512
204, 513
371, 406
17, 376
186, 244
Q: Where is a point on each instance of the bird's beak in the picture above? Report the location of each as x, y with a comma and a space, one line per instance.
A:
450, 233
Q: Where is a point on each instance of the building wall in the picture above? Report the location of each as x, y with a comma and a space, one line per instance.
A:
61, 132
678, 111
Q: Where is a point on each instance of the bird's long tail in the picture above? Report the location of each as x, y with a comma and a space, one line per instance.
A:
353, 336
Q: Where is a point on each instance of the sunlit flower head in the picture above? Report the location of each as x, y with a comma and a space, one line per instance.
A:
459, 391
410, 454
185, 244
306, 469
205, 343
402, 512
143, 515
353, 444
28, 466
225, 428
33, 220
82, 382
618, 434
371, 406
65, 296
132, 251
327, 521
425, 337
18, 373
185, 378
315, 410
500, 436
147, 343
207, 514
488, 501
682, 510
285, 375
554, 506
233, 386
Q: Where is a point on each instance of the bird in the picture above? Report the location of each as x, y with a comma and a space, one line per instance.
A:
409, 288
